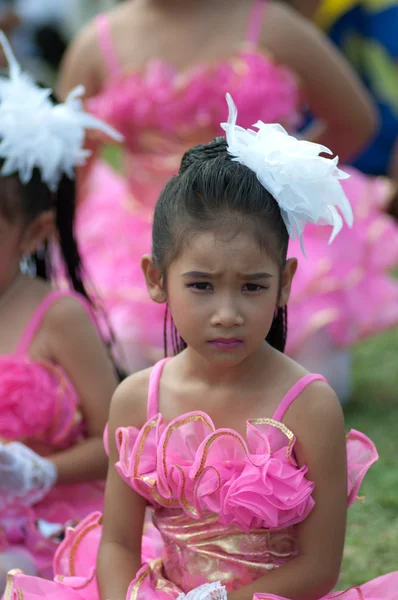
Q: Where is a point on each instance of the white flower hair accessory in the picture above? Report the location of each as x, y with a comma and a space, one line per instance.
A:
306, 186
35, 133
207, 591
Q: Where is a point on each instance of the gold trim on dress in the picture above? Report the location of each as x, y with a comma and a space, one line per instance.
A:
143, 439
76, 543
184, 500
138, 583
164, 501
209, 442
181, 423
10, 583
278, 425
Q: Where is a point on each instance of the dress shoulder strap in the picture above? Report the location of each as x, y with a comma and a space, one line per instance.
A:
293, 393
38, 316
106, 44
153, 391
255, 22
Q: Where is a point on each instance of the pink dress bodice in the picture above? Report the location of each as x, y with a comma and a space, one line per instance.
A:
162, 111
39, 405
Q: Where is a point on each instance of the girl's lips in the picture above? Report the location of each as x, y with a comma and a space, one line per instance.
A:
226, 343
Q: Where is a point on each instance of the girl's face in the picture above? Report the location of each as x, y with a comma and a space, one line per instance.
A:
222, 294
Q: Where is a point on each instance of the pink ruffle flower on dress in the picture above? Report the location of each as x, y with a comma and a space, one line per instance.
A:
254, 484
251, 484
28, 410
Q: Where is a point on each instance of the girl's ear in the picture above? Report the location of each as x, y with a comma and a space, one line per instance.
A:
154, 280
38, 232
287, 279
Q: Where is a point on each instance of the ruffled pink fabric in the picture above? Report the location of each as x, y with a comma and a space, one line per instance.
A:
65, 505
250, 484
348, 286
161, 99
38, 403
361, 455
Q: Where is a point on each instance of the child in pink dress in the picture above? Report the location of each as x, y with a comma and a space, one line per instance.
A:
241, 453
56, 376
158, 72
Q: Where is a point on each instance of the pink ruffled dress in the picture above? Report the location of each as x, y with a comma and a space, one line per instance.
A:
226, 507
40, 408
162, 112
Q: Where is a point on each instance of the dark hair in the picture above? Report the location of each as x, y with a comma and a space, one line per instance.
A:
212, 191
29, 201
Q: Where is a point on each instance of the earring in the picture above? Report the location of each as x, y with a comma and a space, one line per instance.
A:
27, 265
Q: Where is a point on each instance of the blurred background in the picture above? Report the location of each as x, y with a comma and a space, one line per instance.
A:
367, 33
40, 30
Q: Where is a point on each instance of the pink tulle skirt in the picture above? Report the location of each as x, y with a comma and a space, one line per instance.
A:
33, 532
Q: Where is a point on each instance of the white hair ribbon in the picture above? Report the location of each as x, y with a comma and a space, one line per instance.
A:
35, 133
305, 185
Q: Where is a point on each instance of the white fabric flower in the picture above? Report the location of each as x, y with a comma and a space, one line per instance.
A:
207, 591
35, 133
305, 185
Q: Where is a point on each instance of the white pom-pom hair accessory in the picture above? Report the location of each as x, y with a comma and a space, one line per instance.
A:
305, 185
35, 133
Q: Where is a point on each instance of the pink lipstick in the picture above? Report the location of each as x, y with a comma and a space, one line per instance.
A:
226, 343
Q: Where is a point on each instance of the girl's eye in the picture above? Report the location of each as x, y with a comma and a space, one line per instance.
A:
253, 287
201, 286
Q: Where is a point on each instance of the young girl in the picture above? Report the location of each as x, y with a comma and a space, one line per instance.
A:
240, 451
56, 377
159, 71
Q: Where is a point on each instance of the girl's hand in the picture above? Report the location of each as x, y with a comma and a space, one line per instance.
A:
25, 476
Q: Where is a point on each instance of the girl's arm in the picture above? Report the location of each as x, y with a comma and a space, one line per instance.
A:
317, 421
119, 556
75, 345
82, 65
334, 93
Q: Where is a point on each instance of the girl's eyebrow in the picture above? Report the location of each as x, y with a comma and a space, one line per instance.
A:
199, 274
203, 275
263, 275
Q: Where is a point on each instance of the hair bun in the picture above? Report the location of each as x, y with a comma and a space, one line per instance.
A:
214, 149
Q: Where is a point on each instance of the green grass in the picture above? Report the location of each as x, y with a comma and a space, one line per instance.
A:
372, 534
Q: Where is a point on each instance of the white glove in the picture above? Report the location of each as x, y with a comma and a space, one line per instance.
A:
25, 477
207, 591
